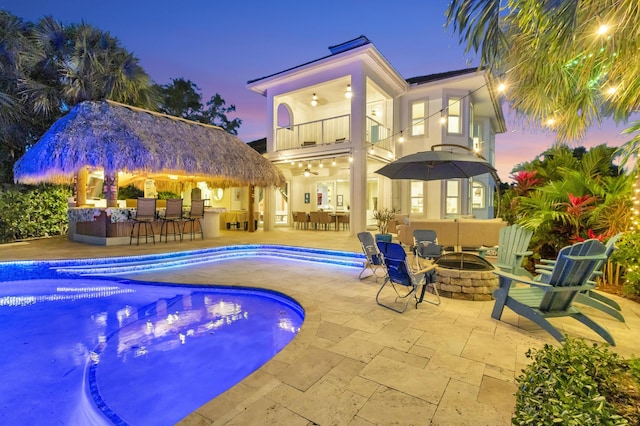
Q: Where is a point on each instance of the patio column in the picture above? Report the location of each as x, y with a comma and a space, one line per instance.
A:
252, 218
110, 188
81, 187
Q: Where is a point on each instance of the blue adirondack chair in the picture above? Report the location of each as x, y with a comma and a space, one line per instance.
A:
589, 297
513, 247
554, 298
404, 281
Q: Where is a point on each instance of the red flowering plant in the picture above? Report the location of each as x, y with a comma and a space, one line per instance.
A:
525, 181
577, 209
592, 235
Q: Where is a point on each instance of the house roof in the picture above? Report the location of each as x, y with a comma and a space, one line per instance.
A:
422, 79
121, 138
260, 145
335, 50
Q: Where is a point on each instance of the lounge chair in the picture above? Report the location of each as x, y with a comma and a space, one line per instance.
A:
403, 279
374, 259
425, 245
589, 297
554, 298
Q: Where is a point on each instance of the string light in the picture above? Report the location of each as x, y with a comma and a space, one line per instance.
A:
401, 139
603, 29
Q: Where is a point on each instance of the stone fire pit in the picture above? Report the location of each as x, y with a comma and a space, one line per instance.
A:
465, 276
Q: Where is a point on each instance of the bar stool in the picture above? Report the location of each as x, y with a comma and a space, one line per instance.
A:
195, 214
145, 215
173, 217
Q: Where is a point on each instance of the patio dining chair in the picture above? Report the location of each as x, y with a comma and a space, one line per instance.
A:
404, 280
145, 215
173, 217
195, 214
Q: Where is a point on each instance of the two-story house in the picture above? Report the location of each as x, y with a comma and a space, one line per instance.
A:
332, 122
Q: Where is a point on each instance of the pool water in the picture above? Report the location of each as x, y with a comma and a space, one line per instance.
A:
105, 351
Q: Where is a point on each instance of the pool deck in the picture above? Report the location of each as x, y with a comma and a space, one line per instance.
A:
354, 362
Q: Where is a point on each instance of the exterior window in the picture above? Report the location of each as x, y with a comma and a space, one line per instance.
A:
454, 121
417, 197
418, 116
477, 195
453, 197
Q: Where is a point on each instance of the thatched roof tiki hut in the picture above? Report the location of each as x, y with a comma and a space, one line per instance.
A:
121, 138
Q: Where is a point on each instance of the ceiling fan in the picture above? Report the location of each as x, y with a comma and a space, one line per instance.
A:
308, 172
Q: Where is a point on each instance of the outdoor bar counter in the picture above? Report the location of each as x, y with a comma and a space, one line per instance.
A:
112, 225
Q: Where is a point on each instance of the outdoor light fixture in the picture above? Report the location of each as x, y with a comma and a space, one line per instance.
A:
443, 120
306, 173
333, 163
351, 159
321, 165
371, 150
401, 139
348, 94
314, 100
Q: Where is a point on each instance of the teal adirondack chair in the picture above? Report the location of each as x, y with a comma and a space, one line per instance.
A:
541, 300
590, 297
512, 249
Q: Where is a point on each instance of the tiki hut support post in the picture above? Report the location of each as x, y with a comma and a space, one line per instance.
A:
81, 187
252, 218
110, 188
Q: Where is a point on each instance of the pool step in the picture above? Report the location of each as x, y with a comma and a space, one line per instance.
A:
133, 264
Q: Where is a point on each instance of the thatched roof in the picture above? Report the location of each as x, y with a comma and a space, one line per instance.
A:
120, 138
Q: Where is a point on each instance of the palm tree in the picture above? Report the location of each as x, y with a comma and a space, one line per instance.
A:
573, 62
46, 68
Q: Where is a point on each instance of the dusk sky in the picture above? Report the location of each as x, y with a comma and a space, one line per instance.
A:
220, 46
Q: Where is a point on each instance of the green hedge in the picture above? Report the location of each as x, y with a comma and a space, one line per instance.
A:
33, 211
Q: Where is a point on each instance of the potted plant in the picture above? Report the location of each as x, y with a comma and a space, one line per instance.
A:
383, 217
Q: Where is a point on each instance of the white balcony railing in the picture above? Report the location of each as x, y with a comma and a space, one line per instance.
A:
378, 134
329, 131
321, 132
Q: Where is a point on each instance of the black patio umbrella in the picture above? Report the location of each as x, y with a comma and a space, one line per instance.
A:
435, 165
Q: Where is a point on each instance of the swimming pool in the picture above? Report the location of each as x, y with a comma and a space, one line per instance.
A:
104, 351
125, 362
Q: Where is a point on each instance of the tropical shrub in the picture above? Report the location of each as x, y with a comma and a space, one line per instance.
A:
129, 192
566, 195
33, 211
578, 384
628, 256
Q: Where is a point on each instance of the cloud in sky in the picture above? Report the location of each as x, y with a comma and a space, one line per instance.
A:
220, 46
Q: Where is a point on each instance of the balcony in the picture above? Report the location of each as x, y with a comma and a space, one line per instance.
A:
331, 131
314, 133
